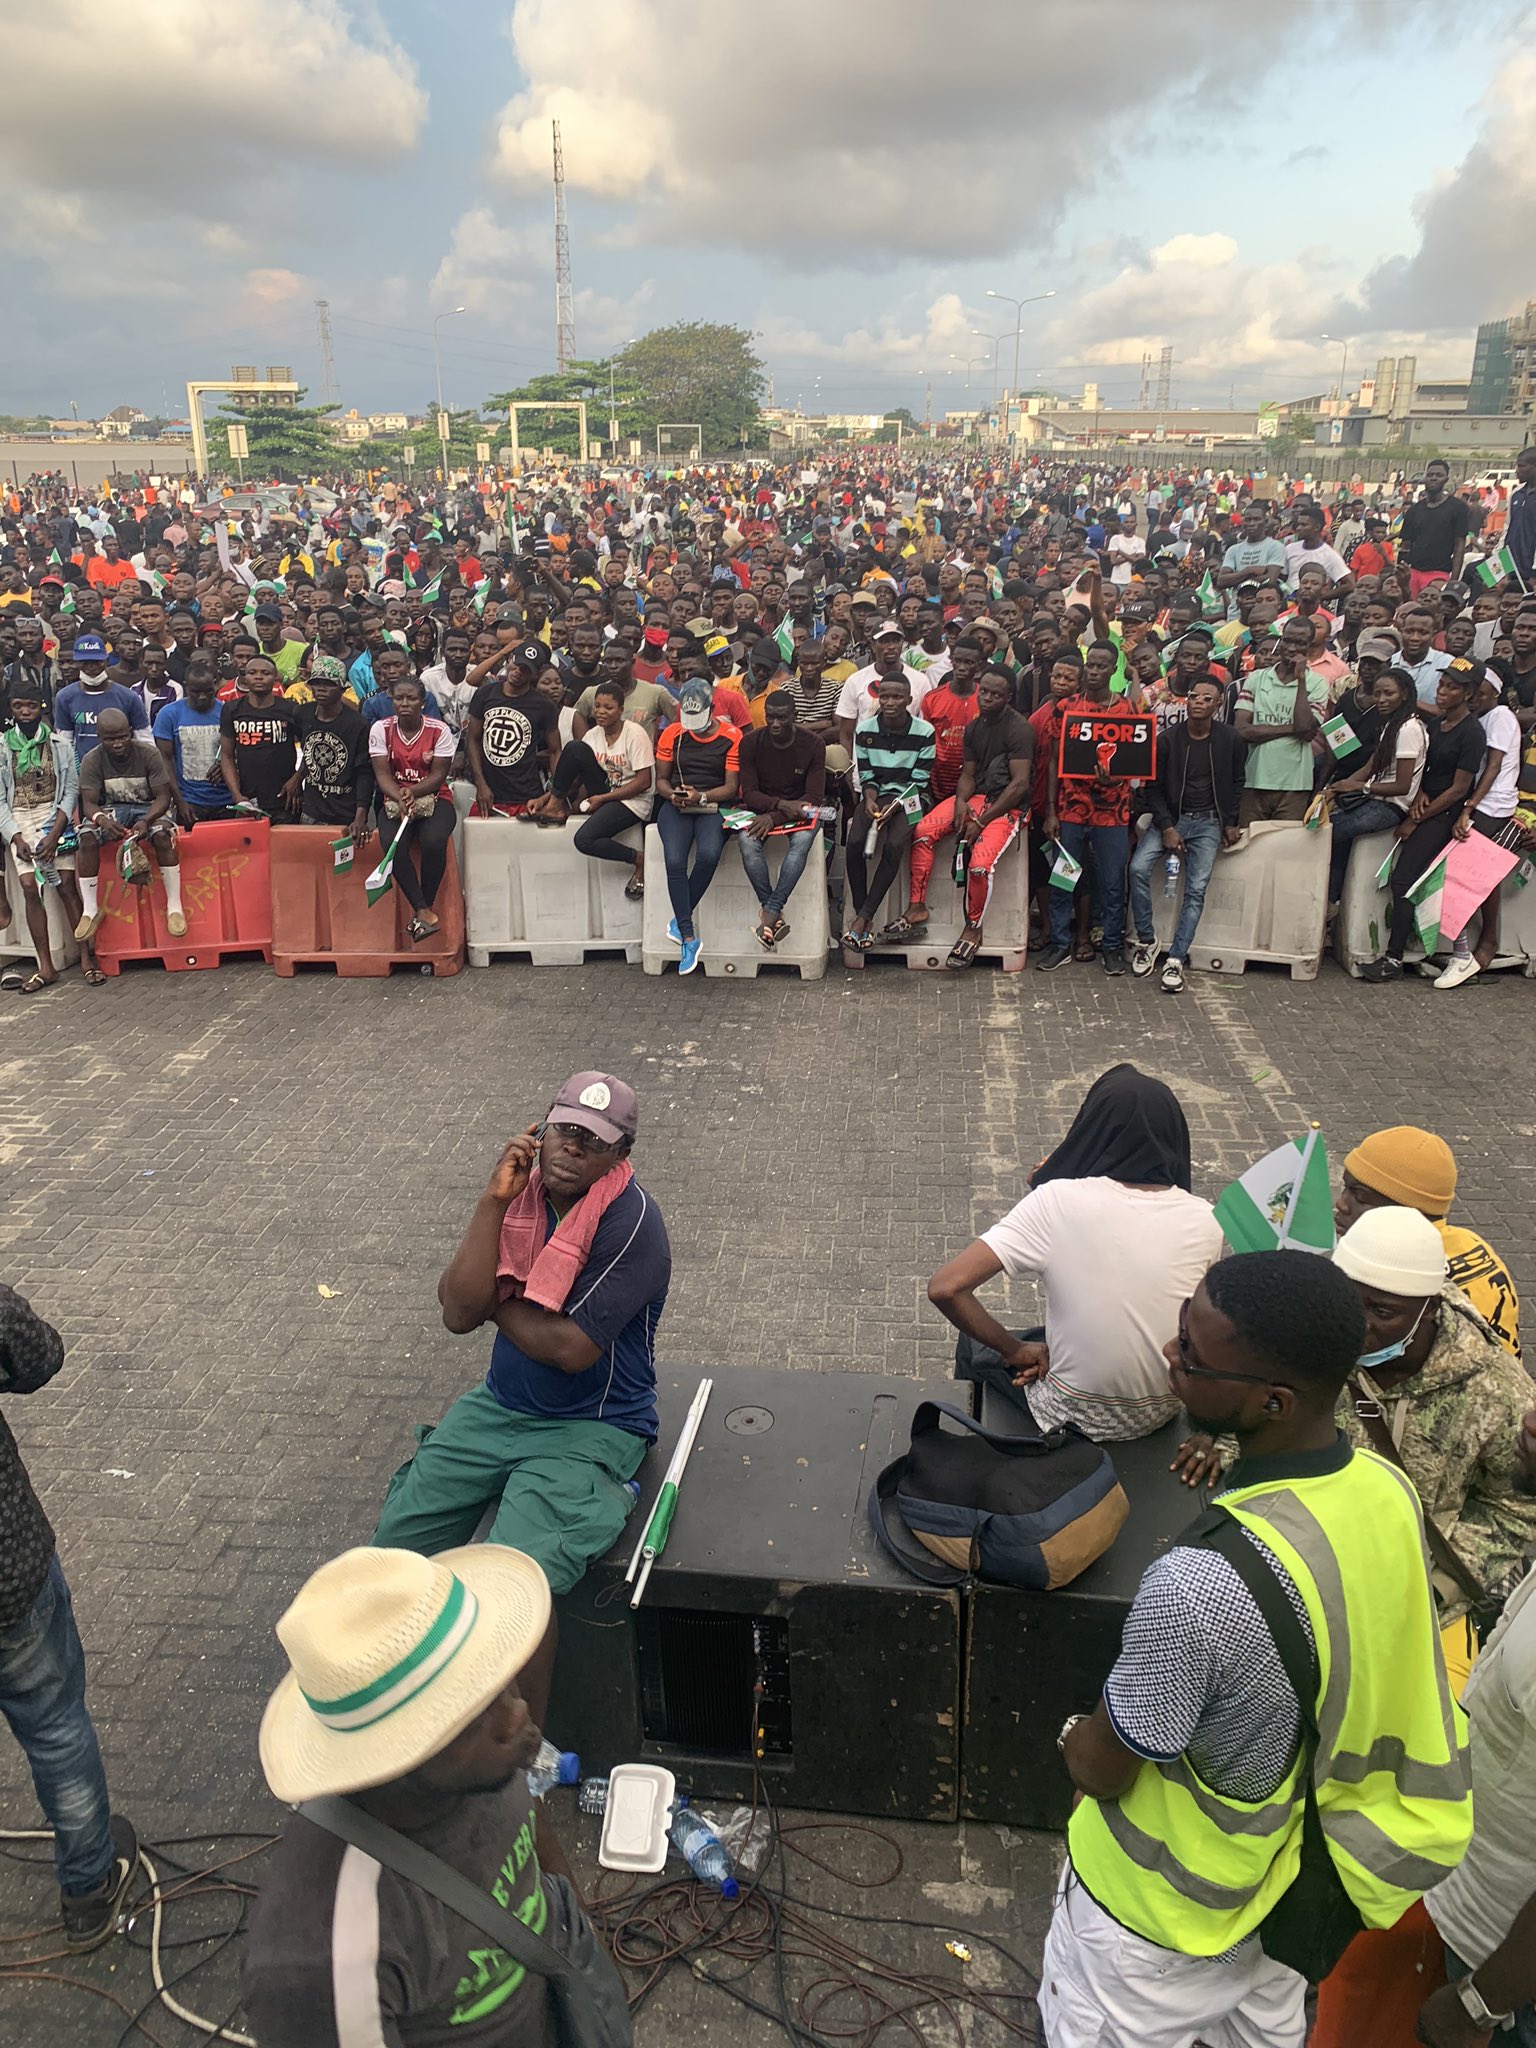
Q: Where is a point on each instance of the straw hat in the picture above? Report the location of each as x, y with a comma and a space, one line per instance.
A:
392, 1656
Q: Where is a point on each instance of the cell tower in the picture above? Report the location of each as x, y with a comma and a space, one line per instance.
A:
565, 312
1165, 377
1144, 396
327, 354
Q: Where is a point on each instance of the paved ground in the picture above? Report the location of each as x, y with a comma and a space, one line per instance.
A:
189, 1161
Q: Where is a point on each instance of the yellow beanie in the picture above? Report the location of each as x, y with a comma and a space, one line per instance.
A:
1407, 1165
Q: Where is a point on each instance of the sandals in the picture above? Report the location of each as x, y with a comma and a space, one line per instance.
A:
92, 976
780, 930
12, 978
418, 929
857, 942
634, 888
963, 953
903, 931
767, 936
1085, 949
35, 984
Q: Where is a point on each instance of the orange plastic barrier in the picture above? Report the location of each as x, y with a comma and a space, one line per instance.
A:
322, 918
226, 898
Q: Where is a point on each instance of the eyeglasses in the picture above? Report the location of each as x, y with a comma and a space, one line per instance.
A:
1193, 1371
579, 1136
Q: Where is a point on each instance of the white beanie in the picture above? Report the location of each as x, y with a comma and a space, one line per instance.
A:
1397, 1250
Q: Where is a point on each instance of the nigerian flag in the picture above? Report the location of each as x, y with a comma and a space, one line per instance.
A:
1212, 605
1427, 895
1065, 870
783, 639
382, 880
1495, 569
1282, 1203
429, 595
1341, 736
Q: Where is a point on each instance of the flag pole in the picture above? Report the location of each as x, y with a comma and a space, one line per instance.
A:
1284, 1245
654, 1534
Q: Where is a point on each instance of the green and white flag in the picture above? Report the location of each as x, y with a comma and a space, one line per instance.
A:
1341, 736
1065, 871
1384, 872
1427, 896
482, 592
66, 604
382, 880
784, 640
157, 582
1282, 1203
55, 561
343, 853
1495, 569
430, 594
1211, 604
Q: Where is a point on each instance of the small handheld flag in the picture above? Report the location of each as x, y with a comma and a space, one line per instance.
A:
1282, 1203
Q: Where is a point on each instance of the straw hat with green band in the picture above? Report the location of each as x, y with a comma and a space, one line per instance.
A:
392, 1656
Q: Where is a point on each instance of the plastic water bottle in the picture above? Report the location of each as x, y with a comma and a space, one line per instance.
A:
552, 1767
1171, 870
703, 1851
593, 1795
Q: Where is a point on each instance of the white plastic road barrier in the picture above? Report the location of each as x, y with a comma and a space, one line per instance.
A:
16, 940
728, 916
1266, 903
1360, 934
528, 891
1004, 934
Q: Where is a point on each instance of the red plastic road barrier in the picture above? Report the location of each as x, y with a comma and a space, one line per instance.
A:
322, 918
226, 898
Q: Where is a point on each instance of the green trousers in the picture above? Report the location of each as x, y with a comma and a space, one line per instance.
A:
558, 1487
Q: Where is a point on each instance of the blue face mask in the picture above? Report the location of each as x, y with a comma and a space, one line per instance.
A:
1369, 1360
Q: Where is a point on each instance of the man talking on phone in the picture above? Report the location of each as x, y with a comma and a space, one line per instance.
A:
566, 1257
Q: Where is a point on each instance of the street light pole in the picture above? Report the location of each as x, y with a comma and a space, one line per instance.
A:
437, 364
1340, 341
1018, 325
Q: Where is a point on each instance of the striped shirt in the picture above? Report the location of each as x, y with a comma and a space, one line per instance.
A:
891, 762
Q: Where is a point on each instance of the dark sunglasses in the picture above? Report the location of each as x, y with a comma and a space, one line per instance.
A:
579, 1136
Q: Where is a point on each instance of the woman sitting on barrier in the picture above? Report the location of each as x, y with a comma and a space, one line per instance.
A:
1120, 1244
613, 766
411, 755
1379, 792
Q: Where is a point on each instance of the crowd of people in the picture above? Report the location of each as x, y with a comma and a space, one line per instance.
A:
882, 649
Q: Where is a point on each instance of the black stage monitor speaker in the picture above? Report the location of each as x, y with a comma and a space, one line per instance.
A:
1031, 1659
772, 1609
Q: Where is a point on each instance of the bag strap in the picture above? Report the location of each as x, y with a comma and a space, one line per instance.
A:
1221, 1531
925, 1422
458, 1893
1374, 1423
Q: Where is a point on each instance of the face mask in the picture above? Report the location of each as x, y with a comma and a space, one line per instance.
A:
1369, 1360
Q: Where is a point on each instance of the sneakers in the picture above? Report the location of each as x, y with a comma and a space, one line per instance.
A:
1172, 982
1144, 956
1384, 969
1462, 968
1113, 960
176, 924
90, 1918
1053, 957
690, 959
674, 936
87, 927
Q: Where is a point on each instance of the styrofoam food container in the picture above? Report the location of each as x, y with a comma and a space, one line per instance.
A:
635, 1819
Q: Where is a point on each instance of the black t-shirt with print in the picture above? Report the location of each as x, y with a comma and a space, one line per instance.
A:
264, 744
513, 734
1450, 751
337, 778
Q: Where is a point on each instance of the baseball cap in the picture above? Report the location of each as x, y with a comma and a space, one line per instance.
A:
716, 644
886, 629
90, 647
1378, 647
508, 615
530, 654
267, 615
599, 1103
695, 705
863, 597
699, 628
1469, 670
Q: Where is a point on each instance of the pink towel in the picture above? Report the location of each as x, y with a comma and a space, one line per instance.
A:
545, 1273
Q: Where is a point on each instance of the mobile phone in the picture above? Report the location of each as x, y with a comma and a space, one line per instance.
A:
543, 1127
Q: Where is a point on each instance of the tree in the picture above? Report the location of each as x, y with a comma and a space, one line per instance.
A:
697, 371
287, 441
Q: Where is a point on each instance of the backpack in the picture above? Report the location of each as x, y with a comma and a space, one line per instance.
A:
1028, 1511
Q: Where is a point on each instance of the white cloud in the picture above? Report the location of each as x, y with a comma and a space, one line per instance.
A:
947, 132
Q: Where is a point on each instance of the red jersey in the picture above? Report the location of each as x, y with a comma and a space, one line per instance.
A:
949, 715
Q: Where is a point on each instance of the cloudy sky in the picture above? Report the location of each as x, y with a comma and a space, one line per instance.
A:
181, 182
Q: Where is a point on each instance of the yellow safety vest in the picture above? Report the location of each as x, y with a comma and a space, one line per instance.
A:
1194, 1870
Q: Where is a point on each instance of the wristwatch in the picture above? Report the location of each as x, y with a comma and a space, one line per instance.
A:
1066, 1729
1473, 2003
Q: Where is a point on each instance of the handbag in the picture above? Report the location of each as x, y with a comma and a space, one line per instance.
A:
1485, 1609
1314, 1920
591, 2010
1032, 1511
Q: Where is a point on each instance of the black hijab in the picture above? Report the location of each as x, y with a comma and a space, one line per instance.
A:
1129, 1128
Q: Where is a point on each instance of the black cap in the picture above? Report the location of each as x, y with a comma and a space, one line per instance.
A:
531, 654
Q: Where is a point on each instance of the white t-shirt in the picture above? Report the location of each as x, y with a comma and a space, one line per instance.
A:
455, 698
623, 757
1477, 1903
1117, 1264
1329, 560
859, 698
1503, 730
1413, 747
1123, 549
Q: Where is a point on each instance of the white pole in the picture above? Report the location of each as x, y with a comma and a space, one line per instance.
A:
674, 1471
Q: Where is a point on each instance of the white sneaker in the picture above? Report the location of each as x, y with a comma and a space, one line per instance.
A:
1172, 982
1462, 968
1144, 956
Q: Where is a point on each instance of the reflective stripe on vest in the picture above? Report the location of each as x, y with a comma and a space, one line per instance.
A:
1195, 1871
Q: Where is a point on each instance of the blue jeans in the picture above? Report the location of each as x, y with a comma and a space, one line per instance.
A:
42, 1695
754, 858
703, 834
1202, 837
1107, 844
1352, 824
